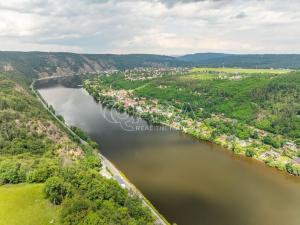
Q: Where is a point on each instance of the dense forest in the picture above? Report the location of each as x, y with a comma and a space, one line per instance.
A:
35, 148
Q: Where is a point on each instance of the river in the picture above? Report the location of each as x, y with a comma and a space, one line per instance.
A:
190, 182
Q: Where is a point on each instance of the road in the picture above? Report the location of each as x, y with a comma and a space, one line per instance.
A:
116, 174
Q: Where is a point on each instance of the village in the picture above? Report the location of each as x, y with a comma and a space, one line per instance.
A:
152, 73
162, 113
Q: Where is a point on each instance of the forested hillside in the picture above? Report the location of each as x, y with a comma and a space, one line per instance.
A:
291, 61
42, 64
35, 148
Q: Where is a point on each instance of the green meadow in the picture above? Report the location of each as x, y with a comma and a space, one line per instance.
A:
240, 71
24, 204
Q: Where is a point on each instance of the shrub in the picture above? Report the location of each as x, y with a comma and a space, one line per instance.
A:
255, 135
243, 132
43, 171
32, 145
56, 190
298, 142
74, 210
61, 118
270, 140
92, 218
135, 209
92, 162
249, 153
80, 133
11, 172
93, 144
289, 168
293, 169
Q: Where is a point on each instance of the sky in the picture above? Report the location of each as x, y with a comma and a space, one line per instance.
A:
169, 27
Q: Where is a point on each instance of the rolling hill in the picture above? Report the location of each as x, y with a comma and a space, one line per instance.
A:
45, 64
289, 61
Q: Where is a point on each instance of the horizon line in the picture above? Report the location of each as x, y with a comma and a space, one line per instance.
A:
157, 54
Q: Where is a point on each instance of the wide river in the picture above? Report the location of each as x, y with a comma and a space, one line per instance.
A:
190, 182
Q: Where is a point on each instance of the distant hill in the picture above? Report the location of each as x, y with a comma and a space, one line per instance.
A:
43, 64
291, 61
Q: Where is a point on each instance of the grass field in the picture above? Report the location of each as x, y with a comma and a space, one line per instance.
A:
24, 205
198, 76
240, 70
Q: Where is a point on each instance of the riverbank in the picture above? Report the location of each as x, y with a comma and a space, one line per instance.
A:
184, 178
107, 165
242, 139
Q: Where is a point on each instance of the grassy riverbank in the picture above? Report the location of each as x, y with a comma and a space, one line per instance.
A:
253, 113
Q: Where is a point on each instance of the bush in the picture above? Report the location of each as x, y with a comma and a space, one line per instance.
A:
56, 190
92, 162
255, 135
80, 133
270, 140
75, 139
289, 168
42, 172
93, 218
11, 172
93, 144
249, 153
74, 211
61, 118
293, 169
135, 208
298, 142
31, 145
243, 132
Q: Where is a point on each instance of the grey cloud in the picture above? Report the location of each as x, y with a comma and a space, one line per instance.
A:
171, 3
240, 15
147, 26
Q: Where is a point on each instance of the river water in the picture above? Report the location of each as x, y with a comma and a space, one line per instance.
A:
190, 182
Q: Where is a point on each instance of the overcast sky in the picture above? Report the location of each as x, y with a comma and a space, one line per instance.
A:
171, 27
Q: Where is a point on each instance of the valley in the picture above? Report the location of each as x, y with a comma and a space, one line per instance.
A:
149, 112
186, 179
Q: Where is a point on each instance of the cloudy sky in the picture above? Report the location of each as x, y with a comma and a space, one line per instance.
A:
151, 26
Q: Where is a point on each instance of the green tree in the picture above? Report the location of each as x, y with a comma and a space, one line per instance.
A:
56, 190
74, 211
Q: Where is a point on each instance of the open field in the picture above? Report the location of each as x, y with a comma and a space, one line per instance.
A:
24, 204
198, 76
240, 71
